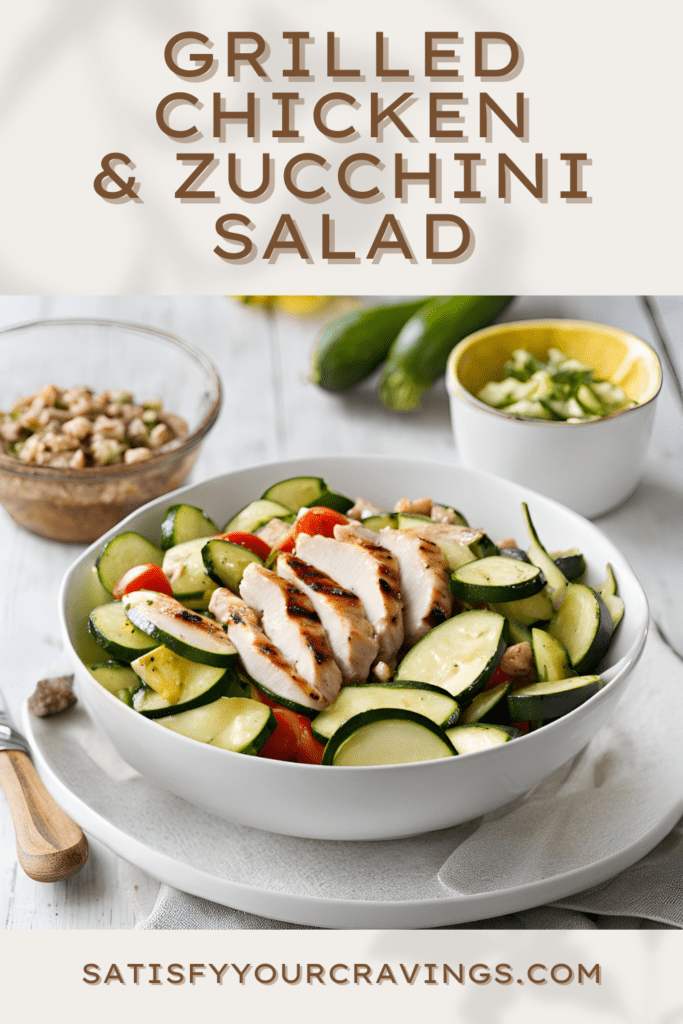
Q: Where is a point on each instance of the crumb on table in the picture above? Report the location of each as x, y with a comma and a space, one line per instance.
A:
52, 696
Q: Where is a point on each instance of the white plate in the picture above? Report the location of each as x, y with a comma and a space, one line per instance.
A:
233, 865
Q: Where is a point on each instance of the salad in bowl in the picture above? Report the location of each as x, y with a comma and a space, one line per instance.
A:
262, 627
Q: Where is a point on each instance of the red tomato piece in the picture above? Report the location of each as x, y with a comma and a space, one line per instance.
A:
316, 520
247, 540
142, 577
497, 678
522, 726
292, 739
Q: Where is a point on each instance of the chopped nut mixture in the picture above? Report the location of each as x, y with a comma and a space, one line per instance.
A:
52, 696
73, 428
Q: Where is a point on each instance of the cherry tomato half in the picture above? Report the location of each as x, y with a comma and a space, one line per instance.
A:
292, 739
247, 540
315, 521
142, 577
497, 678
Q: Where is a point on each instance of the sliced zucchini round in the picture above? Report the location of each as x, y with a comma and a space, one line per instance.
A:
556, 582
114, 676
527, 612
225, 562
185, 522
123, 553
387, 736
571, 563
461, 520
517, 553
583, 625
430, 701
383, 521
480, 736
458, 656
110, 627
191, 635
231, 723
305, 492
496, 579
518, 634
550, 657
484, 703
255, 515
552, 699
608, 592
184, 567
173, 684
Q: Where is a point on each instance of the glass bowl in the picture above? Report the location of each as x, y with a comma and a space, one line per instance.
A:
79, 505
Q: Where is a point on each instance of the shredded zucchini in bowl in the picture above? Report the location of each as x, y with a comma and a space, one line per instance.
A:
558, 389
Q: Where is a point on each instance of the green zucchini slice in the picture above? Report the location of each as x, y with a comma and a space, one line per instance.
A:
305, 492
484, 703
583, 625
255, 515
387, 736
110, 627
114, 676
556, 582
225, 562
231, 723
184, 567
534, 609
551, 699
608, 592
430, 701
174, 684
458, 656
571, 563
480, 736
550, 657
496, 579
191, 635
185, 522
519, 634
123, 553
385, 520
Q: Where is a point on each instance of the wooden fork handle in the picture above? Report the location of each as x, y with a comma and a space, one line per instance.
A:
50, 845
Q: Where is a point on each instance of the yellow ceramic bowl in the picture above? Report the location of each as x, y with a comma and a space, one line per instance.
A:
592, 467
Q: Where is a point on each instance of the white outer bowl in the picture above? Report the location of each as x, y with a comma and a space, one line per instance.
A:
591, 467
380, 802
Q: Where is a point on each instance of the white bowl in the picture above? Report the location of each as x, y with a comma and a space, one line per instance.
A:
591, 467
380, 802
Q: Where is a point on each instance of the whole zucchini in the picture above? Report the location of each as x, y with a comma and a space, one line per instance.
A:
352, 345
420, 352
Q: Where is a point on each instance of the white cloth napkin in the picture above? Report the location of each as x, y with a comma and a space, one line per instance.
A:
629, 776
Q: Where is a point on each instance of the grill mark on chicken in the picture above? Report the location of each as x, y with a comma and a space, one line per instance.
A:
350, 635
291, 622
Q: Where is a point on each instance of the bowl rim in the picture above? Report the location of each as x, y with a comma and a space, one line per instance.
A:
457, 389
93, 474
629, 660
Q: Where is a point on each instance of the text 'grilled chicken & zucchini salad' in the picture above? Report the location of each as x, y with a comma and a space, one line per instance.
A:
319, 630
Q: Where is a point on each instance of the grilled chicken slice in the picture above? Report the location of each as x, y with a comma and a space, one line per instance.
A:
260, 657
352, 638
425, 581
358, 562
223, 602
293, 625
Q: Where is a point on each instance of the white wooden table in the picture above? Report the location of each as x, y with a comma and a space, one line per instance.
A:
271, 411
